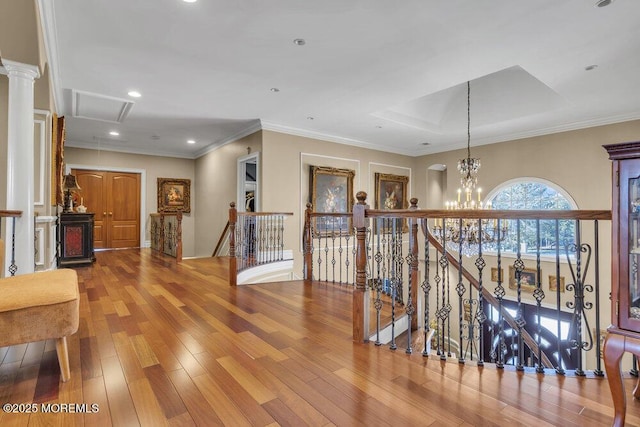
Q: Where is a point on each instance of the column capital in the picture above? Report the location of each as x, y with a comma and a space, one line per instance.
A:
18, 69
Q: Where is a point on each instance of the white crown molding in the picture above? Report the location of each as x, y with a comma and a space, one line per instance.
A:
99, 147
331, 138
567, 127
252, 128
48, 20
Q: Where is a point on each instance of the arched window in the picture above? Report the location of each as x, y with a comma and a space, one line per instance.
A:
534, 194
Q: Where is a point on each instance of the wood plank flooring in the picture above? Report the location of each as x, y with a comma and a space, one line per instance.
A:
167, 344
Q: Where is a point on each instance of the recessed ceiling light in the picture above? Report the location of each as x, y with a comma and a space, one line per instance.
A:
310, 118
379, 127
299, 42
189, 1
426, 143
274, 89
134, 94
114, 133
191, 141
603, 3
590, 67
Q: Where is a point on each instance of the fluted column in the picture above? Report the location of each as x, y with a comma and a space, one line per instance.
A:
20, 156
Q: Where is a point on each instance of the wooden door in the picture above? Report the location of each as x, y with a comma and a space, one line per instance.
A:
92, 184
114, 197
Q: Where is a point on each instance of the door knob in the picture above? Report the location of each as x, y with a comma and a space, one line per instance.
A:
104, 213
110, 213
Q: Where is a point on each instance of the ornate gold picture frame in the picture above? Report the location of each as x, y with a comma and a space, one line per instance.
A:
174, 195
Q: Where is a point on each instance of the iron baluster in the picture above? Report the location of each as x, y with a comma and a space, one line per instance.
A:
559, 367
598, 371
460, 288
538, 294
426, 287
499, 292
578, 304
520, 322
480, 316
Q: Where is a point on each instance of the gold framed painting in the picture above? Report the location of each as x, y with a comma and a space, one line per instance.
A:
391, 193
331, 191
528, 279
497, 275
553, 284
174, 194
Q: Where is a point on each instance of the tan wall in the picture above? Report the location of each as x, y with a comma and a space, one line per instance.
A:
285, 175
155, 167
216, 175
19, 31
573, 160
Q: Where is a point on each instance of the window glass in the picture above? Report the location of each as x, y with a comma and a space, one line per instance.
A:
534, 195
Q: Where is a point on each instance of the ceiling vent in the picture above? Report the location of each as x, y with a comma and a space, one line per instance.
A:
93, 106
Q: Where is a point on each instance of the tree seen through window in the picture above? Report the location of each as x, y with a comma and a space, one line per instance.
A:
534, 195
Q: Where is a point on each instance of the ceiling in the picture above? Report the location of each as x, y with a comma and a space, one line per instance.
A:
373, 73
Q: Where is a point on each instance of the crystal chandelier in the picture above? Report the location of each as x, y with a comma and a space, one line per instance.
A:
466, 235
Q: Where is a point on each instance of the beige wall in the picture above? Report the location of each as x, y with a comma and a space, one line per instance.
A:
215, 187
19, 31
285, 175
573, 160
154, 167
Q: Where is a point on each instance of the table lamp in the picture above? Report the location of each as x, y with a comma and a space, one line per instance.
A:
70, 185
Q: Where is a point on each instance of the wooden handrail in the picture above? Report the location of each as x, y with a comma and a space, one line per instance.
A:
10, 214
221, 239
265, 213
491, 214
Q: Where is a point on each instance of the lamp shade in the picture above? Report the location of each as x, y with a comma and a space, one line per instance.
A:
70, 182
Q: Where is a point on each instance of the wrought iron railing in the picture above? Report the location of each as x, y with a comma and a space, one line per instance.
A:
328, 242
13, 214
255, 239
166, 233
543, 313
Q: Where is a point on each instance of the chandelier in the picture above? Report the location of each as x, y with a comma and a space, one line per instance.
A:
466, 235
468, 167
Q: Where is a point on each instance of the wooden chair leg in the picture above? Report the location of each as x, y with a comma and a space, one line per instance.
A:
63, 358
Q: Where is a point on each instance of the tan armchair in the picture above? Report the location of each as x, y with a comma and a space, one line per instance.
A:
40, 306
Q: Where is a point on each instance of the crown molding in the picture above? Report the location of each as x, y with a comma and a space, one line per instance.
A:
99, 147
266, 125
252, 128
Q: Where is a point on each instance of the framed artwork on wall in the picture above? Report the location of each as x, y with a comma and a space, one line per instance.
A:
528, 279
174, 195
57, 159
391, 193
331, 191
553, 283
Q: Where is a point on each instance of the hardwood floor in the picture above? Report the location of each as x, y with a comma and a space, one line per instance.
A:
166, 344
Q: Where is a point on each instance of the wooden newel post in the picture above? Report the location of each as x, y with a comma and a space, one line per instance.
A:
307, 269
413, 266
361, 293
233, 263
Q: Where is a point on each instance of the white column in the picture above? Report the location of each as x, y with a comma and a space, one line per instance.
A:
20, 168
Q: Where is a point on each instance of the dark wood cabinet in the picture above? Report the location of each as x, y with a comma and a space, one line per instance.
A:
75, 234
624, 332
